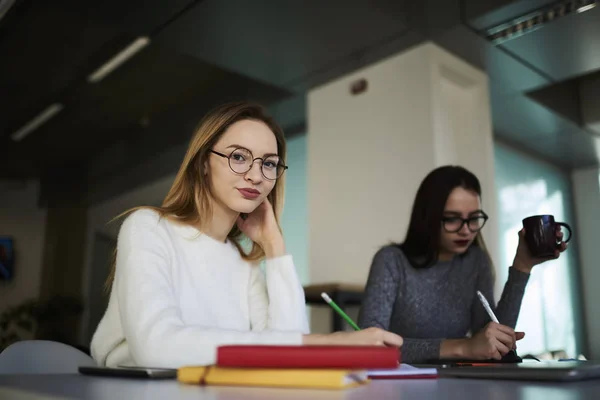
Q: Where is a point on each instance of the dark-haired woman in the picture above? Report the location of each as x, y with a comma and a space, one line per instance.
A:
424, 289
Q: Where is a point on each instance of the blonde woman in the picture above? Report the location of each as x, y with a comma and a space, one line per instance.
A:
182, 283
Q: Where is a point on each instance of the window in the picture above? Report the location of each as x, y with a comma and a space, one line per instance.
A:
548, 314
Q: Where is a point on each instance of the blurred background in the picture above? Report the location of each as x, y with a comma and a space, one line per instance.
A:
99, 99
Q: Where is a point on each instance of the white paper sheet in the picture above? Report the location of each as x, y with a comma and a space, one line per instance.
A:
402, 370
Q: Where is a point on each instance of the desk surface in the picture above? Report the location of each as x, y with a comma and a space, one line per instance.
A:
88, 387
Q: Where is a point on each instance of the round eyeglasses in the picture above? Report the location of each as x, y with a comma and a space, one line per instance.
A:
474, 223
241, 161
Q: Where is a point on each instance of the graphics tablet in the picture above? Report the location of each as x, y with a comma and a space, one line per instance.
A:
534, 371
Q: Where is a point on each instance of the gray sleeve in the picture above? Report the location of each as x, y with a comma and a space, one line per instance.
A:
507, 310
378, 304
420, 350
381, 290
509, 306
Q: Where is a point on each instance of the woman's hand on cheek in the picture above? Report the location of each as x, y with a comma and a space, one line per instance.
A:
262, 228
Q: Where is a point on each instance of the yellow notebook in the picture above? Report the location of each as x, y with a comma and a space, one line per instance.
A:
297, 378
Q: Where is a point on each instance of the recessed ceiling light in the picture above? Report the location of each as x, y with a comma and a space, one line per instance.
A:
37, 121
5, 5
586, 8
534, 20
124, 55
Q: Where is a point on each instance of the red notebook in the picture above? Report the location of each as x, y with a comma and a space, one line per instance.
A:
344, 357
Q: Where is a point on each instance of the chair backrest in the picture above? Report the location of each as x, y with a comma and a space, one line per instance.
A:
42, 357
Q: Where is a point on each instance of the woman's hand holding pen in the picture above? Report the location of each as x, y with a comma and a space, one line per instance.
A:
262, 228
365, 337
493, 341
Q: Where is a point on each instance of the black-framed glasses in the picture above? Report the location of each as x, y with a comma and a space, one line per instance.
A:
475, 223
241, 161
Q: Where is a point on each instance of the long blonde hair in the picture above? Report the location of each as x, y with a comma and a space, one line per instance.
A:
189, 199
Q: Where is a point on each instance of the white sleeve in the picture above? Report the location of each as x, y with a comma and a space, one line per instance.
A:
150, 315
279, 304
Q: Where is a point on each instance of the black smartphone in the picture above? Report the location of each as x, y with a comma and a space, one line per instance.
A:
130, 372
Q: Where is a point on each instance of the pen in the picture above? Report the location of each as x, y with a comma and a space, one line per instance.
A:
487, 307
339, 311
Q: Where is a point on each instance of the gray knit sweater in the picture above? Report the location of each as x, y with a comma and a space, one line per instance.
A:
427, 305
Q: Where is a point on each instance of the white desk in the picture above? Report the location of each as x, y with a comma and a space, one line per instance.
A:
88, 387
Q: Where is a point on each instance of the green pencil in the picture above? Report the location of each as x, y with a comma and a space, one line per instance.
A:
339, 311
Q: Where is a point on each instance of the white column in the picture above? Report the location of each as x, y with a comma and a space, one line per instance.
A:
586, 193
368, 153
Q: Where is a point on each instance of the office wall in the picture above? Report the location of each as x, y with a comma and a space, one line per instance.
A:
21, 218
586, 188
294, 222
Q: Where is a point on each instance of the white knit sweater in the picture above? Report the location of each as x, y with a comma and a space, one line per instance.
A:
178, 294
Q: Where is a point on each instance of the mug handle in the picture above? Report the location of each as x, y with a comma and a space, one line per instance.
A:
568, 229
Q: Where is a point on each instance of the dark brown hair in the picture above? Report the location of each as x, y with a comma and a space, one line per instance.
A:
422, 242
